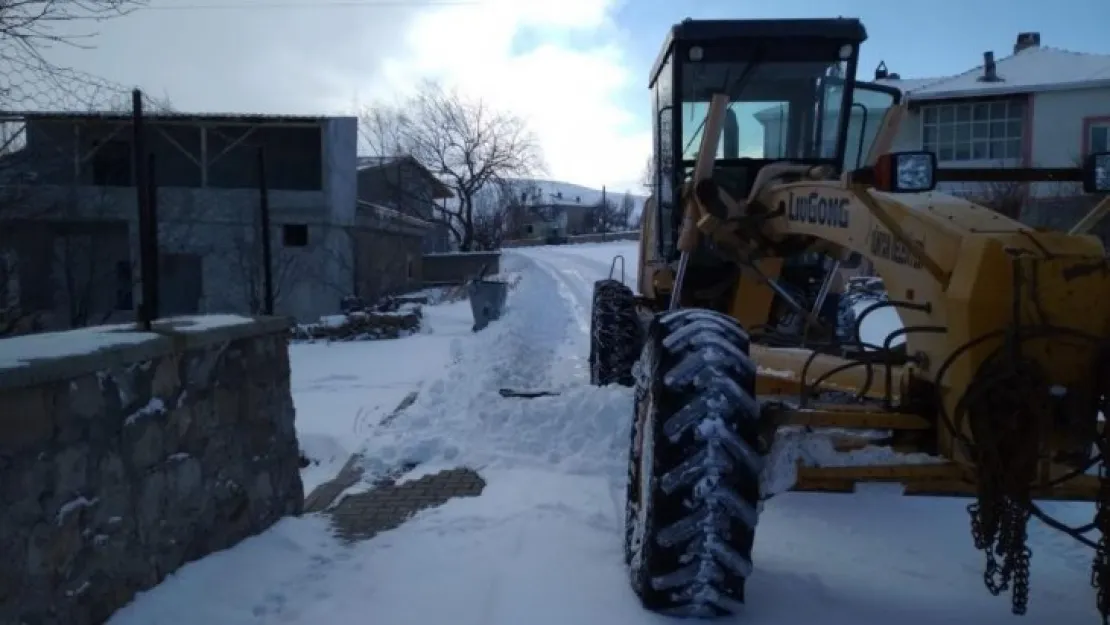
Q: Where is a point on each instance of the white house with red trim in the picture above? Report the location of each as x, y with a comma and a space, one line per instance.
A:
1037, 107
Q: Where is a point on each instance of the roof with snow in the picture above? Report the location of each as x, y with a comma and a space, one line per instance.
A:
1032, 69
370, 209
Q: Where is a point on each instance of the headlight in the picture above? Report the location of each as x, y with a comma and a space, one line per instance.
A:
906, 172
1096, 173
914, 171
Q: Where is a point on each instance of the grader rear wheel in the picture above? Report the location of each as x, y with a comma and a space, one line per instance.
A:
694, 466
615, 334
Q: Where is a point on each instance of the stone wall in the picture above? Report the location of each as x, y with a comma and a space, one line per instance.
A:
119, 465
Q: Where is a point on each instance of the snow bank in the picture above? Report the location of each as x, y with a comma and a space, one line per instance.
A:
343, 390
462, 420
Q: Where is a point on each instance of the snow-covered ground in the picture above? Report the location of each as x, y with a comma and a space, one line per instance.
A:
542, 545
343, 390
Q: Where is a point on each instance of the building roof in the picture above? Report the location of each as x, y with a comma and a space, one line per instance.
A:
369, 162
440, 191
124, 116
370, 209
1033, 69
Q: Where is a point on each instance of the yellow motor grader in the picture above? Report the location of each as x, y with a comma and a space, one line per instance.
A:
769, 152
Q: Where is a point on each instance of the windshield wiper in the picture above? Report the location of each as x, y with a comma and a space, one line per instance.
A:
738, 86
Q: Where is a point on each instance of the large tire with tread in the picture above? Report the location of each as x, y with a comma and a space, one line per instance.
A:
694, 466
616, 336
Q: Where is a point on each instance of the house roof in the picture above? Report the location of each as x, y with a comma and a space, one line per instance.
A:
1033, 69
440, 190
370, 209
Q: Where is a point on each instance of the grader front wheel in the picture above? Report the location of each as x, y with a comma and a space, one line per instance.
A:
694, 466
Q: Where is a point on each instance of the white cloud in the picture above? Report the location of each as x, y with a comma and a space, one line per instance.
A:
322, 59
570, 96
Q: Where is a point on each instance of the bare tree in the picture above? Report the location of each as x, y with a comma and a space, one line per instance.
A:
495, 213
28, 81
1006, 198
247, 263
625, 210
608, 216
33, 22
466, 142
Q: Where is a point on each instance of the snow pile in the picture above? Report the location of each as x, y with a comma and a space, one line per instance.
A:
462, 420
342, 390
362, 326
795, 445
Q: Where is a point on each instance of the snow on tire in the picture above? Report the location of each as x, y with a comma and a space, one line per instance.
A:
615, 334
694, 466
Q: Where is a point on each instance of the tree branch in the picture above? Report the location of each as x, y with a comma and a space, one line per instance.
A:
465, 142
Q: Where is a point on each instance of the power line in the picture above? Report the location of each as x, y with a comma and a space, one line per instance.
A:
318, 4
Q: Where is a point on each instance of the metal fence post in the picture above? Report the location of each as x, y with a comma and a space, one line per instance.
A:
264, 219
148, 258
155, 251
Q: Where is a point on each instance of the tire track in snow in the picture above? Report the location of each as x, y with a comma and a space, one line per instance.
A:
574, 288
575, 276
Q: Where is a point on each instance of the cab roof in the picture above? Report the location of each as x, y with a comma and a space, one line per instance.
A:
707, 31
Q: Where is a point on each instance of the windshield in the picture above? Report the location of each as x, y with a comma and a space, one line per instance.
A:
781, 109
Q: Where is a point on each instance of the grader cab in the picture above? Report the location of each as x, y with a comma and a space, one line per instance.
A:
774, 173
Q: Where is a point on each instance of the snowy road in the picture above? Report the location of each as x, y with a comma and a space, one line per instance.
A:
542, 544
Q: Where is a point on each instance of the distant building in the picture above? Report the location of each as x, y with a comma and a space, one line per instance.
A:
404, 185
1036, 107
540, 215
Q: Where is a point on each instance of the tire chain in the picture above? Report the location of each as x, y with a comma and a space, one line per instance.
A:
1100, 568
1006, 459
624, 338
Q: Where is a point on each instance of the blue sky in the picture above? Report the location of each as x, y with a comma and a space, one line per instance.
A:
916, 39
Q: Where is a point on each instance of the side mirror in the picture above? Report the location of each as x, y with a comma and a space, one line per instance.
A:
1096, 173
906, 172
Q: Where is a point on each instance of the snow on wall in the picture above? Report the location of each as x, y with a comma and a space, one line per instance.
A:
21, 351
